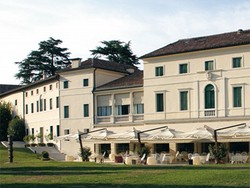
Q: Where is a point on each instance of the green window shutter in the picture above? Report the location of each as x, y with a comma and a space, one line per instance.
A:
85, 82
44, 104
37, 106
236, 62
57, 102
237, 96
184, 101
159, 102
66, 111
209, 65
86, 110
41, 105
183, 68
209, 97
158, 71
65, 84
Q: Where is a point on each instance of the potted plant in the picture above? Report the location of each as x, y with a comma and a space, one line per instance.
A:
39, 136
26, 139
84, 153
142, 151
219, 157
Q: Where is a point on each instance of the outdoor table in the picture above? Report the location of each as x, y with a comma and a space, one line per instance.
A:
196, 160
151, 161
203, 159
129, 159
245, 158
169, 158
112, 157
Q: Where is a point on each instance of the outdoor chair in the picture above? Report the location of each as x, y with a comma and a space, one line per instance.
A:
177, 156
143, 157
207, 159
163, 158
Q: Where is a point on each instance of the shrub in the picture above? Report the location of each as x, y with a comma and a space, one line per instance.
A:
17, 128
143, 150
33, 145
27, 145
41, 144
45, 154
50, 144
85, 153
5, 117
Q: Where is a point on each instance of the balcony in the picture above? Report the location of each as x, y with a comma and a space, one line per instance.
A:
209, 113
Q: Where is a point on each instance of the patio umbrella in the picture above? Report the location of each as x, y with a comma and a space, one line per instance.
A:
165, 134
102, 135
73, 135
200, 133
129, 134
239, 132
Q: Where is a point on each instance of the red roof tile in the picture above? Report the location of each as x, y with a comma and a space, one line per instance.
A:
239, 37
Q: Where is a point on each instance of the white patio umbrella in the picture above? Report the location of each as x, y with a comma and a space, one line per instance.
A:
129, 134
239, 132
102, 135
200, 133
74, 135
165, 134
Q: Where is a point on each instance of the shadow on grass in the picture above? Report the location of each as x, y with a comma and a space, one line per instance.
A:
87, 185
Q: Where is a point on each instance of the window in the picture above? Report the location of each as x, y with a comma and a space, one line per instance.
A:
37, 106
50, 104
44, 89
27, 132
209, 96
44, 104
184, 100
50, 87
32, 108
57, 102
15, 102
51, 132
86, 110
237, 91
122, 109
66, 111
32, 131
58, 130
138, 108
183, 68
237, 62
26, 94
209, 65
31, 92
66, 131
37, 91
41, 105
159, 102
65, 84
26, 109
158, 71
85, 82
104, 110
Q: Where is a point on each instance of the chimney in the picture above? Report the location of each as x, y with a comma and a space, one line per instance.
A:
240, 31
75, 62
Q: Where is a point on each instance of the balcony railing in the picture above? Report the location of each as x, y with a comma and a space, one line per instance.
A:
139, 117
209, 113
103, 119
121, 118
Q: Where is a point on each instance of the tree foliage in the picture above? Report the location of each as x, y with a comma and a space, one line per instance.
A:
116, 51
45, 61
17, 129
5, 117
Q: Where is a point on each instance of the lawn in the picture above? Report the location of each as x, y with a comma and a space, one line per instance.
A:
28, 170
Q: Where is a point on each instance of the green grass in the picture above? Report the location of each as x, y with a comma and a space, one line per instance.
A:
29, 171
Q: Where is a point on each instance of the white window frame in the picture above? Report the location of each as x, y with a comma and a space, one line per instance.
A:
163, 70
214, 64
242, 85
242, 61
188, 67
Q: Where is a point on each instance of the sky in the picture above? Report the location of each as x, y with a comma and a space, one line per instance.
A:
83, 24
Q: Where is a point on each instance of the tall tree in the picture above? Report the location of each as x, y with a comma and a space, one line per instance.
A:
5, 117
43, 62
116, 51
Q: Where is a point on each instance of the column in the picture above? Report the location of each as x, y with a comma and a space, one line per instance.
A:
97, 148
113, 148
131, 148
131, 107
196, 99
223, 97
112, 117
172, 147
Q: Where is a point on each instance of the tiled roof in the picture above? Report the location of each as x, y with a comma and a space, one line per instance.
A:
5, 87
101, 64
22, 87
239, 37
133, 80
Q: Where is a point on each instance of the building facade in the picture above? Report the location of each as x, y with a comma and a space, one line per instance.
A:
184, 86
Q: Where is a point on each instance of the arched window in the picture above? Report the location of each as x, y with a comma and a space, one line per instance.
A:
209, 96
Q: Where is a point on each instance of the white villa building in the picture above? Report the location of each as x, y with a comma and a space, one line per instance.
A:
184, 86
